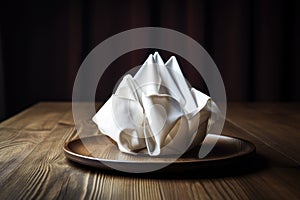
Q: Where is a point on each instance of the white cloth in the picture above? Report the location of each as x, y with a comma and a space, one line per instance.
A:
155, 112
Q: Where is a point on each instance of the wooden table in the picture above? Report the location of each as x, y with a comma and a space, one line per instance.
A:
33, 165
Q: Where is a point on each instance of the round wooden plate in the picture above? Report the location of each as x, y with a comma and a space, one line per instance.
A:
100, 152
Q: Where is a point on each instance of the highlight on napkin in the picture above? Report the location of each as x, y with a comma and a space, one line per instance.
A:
155, 112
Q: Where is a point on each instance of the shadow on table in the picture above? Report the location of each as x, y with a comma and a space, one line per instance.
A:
249, 165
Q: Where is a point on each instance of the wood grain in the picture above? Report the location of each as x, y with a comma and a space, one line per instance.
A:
33, 166
42, 116
276, 124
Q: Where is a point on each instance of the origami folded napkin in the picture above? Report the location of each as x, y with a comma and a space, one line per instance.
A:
156, 112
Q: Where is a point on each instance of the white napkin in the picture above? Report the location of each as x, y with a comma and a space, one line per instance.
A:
156, 112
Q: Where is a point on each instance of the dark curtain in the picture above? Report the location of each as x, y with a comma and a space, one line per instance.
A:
255, 44
2, 92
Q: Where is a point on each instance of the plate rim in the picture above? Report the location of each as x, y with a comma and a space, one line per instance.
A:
71, 154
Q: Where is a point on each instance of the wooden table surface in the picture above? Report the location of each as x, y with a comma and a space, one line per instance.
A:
33, 165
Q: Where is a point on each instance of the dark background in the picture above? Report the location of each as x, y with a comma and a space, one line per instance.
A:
255, 44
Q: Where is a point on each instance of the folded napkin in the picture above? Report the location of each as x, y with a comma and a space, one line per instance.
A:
156, 112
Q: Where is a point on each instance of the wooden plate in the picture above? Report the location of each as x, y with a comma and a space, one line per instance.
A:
100, 152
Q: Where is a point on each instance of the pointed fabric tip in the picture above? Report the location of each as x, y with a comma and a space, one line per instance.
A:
173, 64
127, 88
181, 83
147, 78
158, 59
150, 60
